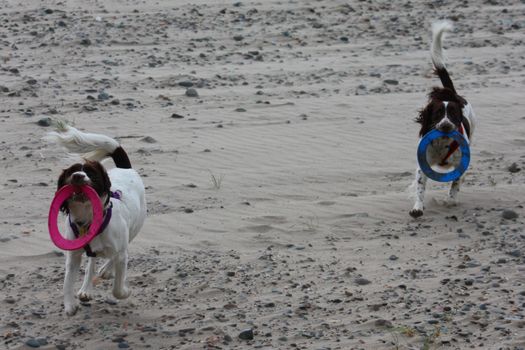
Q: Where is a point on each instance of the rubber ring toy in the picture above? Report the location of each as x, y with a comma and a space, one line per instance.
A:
60, 197
422, 155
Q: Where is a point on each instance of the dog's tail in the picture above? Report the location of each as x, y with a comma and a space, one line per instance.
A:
89, 146
438, 31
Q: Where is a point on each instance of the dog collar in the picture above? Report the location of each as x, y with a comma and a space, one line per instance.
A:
107, 218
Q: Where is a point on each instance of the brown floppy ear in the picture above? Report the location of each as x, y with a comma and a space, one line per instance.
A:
425, 119
102, 183
61, 183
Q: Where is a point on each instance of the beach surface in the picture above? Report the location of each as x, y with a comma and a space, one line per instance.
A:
276, 140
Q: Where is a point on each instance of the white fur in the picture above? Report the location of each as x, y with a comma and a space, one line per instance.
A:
438, 31
89, 146
127, 219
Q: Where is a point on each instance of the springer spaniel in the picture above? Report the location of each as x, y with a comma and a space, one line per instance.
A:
445, 111
122, 196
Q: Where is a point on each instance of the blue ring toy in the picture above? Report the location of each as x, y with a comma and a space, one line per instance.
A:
422, 155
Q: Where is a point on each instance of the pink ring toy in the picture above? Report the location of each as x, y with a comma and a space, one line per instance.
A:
60, 197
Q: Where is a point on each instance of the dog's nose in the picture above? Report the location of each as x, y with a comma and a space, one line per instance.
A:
78, 178
446, 127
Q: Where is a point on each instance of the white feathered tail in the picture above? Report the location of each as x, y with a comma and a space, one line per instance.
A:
438, 31
89, 146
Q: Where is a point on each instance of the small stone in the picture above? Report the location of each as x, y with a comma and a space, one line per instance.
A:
177, 116
238, 38
44, 122
515, 253
115, 102
186, 84
513, 168
85, 42
246, 334
103, 96
391, 82
240, 110
123, 345
227, 338
148, 139
188, 210
361, 281
48, 11
383, 323
33, 343
192, 93
393, 257
10, 300
509, 214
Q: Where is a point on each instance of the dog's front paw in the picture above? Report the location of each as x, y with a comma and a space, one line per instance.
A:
71, 309
415, 213
124, 293
84, 296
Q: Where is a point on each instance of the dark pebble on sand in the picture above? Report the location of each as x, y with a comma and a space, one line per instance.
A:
361, 281
123, 345
33, 343
509, 214
393, 257
391, 82
514, 168
192, 93
238, 38
103, 96
383, 323
188, 210
227, 338
44, 122
177, 116
240, 110
85, 42
186, 84
148, 139
246, 334
515, 253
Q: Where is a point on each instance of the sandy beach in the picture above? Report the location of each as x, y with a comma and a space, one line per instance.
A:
276, 141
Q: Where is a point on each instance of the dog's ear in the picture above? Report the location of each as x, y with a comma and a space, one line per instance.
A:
99, 177
425, 119
61, 183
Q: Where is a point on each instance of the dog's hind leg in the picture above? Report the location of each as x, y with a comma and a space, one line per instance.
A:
73, 260
85, 292
120, 290
420, 184
106, 271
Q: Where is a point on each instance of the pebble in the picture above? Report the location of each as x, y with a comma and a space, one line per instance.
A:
246, 334
391, 82
177, 116
33, 343
361, 281
509, 214
191, 92
103, 96
123, 345
45, 122
186, 84
393, 257
148, 139
514, 168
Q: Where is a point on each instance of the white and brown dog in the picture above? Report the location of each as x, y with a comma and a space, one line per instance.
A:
122, 195
445, 111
